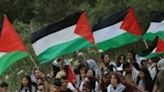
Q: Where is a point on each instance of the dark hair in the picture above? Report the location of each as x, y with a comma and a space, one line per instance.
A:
63, 78
92, 71
92, 80
87, 85
126, 65
29, 85
57, 82
35, 70
147, 79
116, 76
81, 65
102, 57
133, 54
41, 84
3, 84
118, 60
136, 66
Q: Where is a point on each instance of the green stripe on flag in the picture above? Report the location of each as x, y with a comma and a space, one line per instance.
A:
10, 58
121, 40
151, 36
63, 49
154, 55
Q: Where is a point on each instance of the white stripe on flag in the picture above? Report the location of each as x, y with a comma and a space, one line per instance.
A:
156, 27
108, 33
2, 54
53, 39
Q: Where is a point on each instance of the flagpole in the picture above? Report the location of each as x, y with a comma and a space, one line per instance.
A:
33, 61
147, 47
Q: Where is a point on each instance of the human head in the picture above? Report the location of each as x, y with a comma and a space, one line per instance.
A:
131, 56
82, 68
90, 73
26, 81
114, 79
56, 86
86, 87
64, 82
105, 58
144, 73
41, 88
144, 63
36, 73
3, 87
121, 59
150, 61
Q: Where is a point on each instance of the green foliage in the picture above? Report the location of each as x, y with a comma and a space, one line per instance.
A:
30, 15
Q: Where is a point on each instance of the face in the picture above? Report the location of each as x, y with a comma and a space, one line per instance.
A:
105, 79
106, 59
36, 74
82, 70
55, 88
150, 61
130, 55
85, 89
90, 73
141, 74
64, 85
122, 59
24, 82
41, 88
113, 80
4, 89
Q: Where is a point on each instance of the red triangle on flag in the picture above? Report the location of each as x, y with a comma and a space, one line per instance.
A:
160, 46
71, 74
130, 23
83, 28
9, 39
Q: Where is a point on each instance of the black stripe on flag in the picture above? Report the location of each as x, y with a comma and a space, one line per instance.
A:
110, 19
156, 16
57, 26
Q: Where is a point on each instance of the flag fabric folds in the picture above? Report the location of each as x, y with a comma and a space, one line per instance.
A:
117, 30
156, 27
12, 48
68, 35
158, 51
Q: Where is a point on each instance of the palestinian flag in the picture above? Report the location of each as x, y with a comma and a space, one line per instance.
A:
66, 36
151, 48
158, 51
117, 30
12, 48
156, 27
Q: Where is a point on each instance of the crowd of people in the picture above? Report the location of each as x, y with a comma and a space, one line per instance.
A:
126, 74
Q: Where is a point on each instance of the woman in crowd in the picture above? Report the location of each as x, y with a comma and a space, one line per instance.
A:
107, 65
144, 80
26, 85
80, 74
104, 82
92, 80
152, 68
115, 84
121, 60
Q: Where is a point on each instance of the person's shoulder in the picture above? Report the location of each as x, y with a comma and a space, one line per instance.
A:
122, 86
